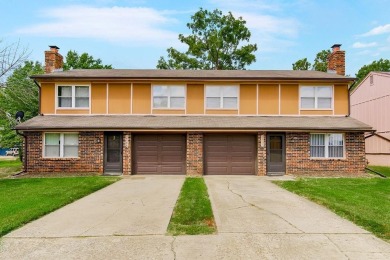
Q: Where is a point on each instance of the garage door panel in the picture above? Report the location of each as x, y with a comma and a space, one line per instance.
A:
230, 154
159, 154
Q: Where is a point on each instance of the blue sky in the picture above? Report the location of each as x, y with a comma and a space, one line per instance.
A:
135, 33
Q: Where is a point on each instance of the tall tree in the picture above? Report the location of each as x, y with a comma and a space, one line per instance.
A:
216, 42
84, 61
379, 65
321, 61
19, 94
11, 56
301, 64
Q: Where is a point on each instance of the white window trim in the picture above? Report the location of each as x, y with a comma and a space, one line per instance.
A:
62, 141
73, 95
326, 157
221, 98
169, 97
316, 98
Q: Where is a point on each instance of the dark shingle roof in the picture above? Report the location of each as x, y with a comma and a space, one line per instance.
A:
194, 74
148, 122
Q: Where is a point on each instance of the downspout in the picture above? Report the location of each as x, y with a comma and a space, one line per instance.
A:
24, 153
39, 97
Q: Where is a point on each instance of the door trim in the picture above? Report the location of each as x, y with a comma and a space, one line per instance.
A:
283, 135
106, 134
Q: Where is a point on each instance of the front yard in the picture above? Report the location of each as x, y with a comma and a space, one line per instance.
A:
364, 201
9, 166
23, 200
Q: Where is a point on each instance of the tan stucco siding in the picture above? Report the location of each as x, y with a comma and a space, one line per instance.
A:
98, 98
268, 99
119, 96
317, 112
195, 99
72, 111
341, 99
141, 98
289, 99
248, 100
48, 98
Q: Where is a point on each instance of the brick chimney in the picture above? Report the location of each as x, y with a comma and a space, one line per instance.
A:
336, 60
53, 59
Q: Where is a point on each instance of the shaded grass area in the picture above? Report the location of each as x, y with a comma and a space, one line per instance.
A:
23, 200
8, 167
382, 169
193, 214
365, 202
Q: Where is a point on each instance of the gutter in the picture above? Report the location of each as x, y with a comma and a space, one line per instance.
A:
24, 153
39, 97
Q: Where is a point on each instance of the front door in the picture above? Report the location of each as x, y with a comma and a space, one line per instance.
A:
276, 154
113, 153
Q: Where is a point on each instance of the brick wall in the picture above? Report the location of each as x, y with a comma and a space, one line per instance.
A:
127, 153
194, 154
336, 62
261, 154
90, 155
298, 160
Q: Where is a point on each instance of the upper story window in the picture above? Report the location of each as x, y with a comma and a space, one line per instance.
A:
222, 97
316, 97
61, 145
169, 97
327, 145
73, 96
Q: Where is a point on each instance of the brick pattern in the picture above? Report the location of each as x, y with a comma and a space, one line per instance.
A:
261, 153
298, 160
127, 153
336, 62
90, 155
53, 60
194, 156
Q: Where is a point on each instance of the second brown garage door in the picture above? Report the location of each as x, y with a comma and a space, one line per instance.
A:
229, 154
159, 154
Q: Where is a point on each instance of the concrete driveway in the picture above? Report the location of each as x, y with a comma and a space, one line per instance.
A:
255, 220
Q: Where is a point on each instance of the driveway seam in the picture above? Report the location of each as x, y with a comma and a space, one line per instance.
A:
259, 208
173, 247
338, 248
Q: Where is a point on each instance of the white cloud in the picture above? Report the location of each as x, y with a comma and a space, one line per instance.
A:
138, 26
359, 45
382, 29
248, 4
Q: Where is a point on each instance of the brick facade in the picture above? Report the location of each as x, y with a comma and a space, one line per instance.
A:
127, 153
90, 155
261, 153
298, 160
194, 156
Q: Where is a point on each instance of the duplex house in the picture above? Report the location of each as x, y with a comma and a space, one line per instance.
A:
194, 122
370, 103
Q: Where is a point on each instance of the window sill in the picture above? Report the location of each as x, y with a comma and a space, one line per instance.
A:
60, 158
316, 109
328, 159
72, 108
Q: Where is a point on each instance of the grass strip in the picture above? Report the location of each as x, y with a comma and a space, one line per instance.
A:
8, 167
382, 169
192, 214
24, 200
366, 202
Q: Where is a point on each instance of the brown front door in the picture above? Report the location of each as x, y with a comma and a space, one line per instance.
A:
159, 154
113, 152
229, 154
276, 154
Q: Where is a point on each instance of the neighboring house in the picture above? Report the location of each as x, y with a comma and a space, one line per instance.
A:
194, 122
370, 103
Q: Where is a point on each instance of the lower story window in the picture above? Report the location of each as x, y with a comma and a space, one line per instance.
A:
327, 145
61, 145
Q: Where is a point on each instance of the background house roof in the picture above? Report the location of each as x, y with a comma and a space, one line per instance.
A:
194, 75
151, 122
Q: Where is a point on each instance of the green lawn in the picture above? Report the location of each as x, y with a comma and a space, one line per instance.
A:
23, 200
382, 169
193, 214
363, 201
8, 167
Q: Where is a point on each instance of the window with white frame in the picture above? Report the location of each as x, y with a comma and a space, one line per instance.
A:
327, 145
222, 97
61, 145
73, 96
316, 97
168, 97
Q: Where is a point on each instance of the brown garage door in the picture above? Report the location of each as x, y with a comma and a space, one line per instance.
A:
230, 154
159, 154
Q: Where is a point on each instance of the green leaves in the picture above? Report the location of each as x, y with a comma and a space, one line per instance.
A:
83, 61
301, 64
320, 62
379, 65
216, 42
